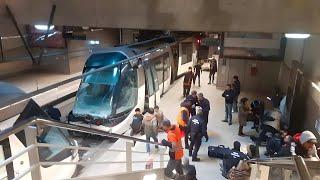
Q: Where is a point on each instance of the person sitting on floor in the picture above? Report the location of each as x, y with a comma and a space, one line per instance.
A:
189, 171
136, 125
306, 145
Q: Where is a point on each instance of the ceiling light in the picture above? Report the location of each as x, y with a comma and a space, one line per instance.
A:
43, 27
94, 42
297, 36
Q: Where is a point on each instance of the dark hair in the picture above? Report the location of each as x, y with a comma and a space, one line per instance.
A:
235, 77
166, 123
156, 107
190, 68
151, 111
236, 145
243, 100
137, 109
229, 85
194, 92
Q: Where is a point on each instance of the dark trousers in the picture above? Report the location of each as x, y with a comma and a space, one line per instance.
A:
235, 104
195, 77
155, 139
229, 113
211, 77
205, 120
186, 135
186, 91
173, 165
195, 144
193, 111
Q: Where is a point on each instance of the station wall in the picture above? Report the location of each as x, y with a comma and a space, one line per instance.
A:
263, 80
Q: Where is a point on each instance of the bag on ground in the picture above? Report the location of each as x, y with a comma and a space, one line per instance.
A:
218, 151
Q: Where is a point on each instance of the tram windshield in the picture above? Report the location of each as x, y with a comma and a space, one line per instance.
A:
96, 91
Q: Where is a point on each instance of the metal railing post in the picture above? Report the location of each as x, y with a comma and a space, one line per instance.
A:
161, 160
129, 156
31, 134
301, 168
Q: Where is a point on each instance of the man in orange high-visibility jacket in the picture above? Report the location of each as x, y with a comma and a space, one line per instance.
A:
183, 119
176, 150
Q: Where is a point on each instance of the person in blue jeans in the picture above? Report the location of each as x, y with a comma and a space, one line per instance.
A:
229, 96
150, 127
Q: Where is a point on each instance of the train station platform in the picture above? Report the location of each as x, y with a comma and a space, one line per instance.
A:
219, 133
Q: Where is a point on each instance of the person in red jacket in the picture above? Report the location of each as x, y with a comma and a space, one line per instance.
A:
175, 149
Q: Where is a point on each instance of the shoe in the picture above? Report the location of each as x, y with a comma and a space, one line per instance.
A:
230, 124
224, 120
209, 83
241, 134
207, 139
190, 153
196, 159
186, 147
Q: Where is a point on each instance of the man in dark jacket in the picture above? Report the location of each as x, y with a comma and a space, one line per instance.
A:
205, 106
193, 98
198, 71
228, 95
188, 77
236, 88
212, 71
197, 130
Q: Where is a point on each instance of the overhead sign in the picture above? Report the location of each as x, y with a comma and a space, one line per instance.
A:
210, 42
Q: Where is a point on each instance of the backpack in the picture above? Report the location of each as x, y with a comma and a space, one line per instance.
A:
218, 151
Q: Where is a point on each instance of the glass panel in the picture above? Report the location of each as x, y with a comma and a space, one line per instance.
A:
95, 93
104, 59
187, 51
166, 62
149, 81
3, 171
155, 78
52, 135
159, 68
128, 92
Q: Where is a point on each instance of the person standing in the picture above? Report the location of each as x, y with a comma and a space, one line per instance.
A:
175, 149
183, 119
244, 111
228, 95
188, 77
150, 127
212, 71
197, 130
205, 106
236, 88
198, 70
193, 98
159, 116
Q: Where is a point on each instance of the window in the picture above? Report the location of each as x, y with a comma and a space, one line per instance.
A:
128, 91
149, 81
187, 51
166, 63
155, 78
159, 68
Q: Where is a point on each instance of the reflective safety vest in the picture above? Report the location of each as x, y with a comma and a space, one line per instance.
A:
180, 121
174, 137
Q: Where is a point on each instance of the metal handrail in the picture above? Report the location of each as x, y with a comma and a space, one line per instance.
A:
13, 104
38, 121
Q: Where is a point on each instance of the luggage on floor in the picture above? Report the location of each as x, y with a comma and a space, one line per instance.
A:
218, 151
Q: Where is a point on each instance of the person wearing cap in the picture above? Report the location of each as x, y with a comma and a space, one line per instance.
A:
193, 98
306, 146
197, 130
205, 106
244, 111
175, 149
189, 171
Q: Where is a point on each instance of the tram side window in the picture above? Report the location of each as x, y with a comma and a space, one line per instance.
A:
159, 68
166, 62
128, 92
186, 52
149, 81
155, 78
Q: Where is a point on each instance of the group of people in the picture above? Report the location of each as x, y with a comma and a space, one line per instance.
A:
195, 73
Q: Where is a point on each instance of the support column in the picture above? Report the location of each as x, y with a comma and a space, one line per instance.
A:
7, 154
31, 134
129, 156
53, 10
14, 21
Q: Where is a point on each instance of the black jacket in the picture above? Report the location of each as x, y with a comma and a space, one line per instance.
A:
228, 96
237, 87
197, 69
193, 100
189, 172
204, 104
196, 125
188, 79
213, 67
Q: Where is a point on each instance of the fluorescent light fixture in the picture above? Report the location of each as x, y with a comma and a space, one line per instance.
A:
297, 36
43, 27
315, 86
150, 177
269, 98
94, 42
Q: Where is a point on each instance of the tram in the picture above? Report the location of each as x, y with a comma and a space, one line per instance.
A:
106, 99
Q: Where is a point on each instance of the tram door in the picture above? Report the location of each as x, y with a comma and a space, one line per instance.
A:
152, 87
